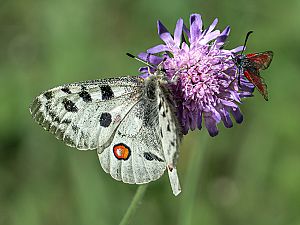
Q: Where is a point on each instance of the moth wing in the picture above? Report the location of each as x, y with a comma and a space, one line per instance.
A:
86, 114
260, 60
254, 77
135, 154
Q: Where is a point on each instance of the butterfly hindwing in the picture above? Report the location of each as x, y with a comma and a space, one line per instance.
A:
85, 114
135, 154
144, 144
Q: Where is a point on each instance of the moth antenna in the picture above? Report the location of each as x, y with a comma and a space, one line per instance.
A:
140, 60
246, 39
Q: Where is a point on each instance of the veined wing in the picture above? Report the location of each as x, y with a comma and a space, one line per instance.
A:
260, 60
253, 76
85, 114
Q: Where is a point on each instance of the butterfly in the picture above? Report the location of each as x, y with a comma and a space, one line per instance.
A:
251, 65
131, 121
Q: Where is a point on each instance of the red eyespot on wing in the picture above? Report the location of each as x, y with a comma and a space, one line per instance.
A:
121, 151
260, 60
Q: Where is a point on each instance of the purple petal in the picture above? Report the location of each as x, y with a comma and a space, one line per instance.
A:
152, 59
226, 119
164, 34
207, 38
195, 27
187, 31
199, 120
193, 122
223, 36
228, 103
237, 49
211, 126
157, 49
146, 70
212, 26
237, 115
144, 75
178, 32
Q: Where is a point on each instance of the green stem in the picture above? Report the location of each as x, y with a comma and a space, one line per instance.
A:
191, 182
134, 204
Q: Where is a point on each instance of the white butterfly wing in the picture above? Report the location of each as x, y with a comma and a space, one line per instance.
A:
129, 120
135, 155
146, 141
170, 135
85, 114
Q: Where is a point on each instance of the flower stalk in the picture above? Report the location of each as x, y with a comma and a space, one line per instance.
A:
140, 192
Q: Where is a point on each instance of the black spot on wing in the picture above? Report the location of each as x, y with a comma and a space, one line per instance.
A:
150, 156
48, 106
53, 116
160, 105
69, 105
86, 97
105, 119
106, 92
168, 127
48, 95
172, 143
66, 90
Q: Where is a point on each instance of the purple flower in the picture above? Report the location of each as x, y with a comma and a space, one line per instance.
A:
202, 74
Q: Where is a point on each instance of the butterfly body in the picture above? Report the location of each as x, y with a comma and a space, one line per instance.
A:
131, 122
251, 65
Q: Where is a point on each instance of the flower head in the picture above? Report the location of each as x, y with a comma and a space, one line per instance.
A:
202, 74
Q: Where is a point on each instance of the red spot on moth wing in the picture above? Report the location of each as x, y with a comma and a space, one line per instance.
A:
258, 82
262, 60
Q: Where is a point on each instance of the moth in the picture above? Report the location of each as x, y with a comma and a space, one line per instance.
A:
131, 121
251, 65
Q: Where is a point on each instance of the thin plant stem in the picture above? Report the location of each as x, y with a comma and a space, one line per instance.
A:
139, 194
191, 182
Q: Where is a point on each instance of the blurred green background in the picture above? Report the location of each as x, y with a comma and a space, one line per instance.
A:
249, 174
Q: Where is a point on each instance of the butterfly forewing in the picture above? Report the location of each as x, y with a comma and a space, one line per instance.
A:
260, 60
85, 114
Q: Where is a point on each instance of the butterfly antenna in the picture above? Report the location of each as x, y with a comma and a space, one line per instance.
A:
246, 39
140, 60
